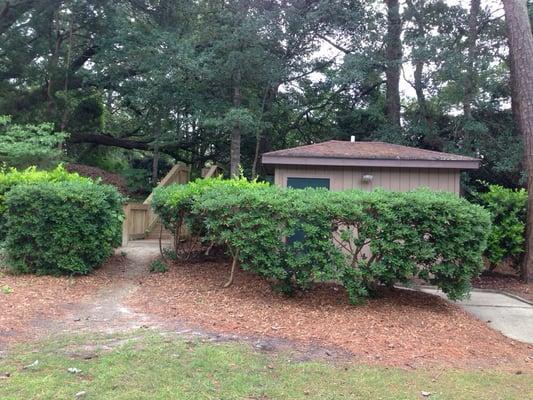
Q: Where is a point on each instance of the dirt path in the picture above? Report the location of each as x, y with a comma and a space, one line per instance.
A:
105, 312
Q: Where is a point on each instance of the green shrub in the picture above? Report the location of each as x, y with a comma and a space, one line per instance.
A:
62, 227
437, 237
13, 177
138, 180
508, 212
361, 239
24, 145
158, 266
174, 205
251, 219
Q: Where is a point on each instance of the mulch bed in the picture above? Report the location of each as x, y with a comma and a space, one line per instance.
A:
506, 281
97, 173
401, 328
26, 301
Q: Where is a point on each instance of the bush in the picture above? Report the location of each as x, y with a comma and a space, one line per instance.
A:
174, 205
508, 208
391, 237
13, 177
24, 145
250, 219
62, 227
361, 239
138, 180
158, 267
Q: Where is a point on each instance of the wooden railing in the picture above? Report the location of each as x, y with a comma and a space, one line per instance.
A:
139, 217
210, 172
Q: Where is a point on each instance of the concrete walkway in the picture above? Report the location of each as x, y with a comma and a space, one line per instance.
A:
510, 316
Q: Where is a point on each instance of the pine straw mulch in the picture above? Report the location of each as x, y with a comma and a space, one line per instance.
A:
27, 302
401, 328
98, 173
506, 280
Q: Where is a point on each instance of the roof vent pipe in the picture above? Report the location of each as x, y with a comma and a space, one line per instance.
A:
352, 139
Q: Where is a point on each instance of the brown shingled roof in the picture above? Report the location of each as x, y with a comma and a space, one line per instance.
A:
336, 153
367, 150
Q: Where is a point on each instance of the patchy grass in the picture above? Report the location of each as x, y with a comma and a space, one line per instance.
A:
157, 366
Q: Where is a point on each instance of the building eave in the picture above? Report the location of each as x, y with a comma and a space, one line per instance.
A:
374, 162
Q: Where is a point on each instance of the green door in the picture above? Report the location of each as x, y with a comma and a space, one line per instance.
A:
302, 183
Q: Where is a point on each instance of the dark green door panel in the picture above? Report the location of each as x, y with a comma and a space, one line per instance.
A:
302, 183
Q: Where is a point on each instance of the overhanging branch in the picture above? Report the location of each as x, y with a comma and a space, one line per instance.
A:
106, 140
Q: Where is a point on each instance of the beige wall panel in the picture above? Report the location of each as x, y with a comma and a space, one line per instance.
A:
395, 179
381, 180
403, 180
347, 179
451, 182
412, 178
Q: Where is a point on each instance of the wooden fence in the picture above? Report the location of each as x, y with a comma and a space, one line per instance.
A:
140, 220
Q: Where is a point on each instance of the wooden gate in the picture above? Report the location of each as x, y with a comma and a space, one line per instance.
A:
140, 221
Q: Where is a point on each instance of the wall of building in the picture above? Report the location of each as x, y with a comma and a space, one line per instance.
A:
394, 179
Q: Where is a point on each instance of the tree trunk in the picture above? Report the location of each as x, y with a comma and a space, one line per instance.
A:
470, 78
234, 263
393, 54
521, 50
52, 72
106, 140
418, 62
514, 90
155, 164
156, 153
235, 149
266, 109
65, 117
420, 96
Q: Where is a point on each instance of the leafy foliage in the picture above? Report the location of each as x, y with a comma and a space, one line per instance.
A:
25, 145
12, 177
160, 77
62, 227
175, 203
508, 212
437, 237
158, 266
137, 180
361, 239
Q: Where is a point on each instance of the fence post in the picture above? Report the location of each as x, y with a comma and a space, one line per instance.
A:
126, 225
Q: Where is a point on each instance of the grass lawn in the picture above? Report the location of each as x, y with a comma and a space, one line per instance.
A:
147, 365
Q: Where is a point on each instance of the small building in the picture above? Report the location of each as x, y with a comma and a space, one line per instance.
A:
341, 165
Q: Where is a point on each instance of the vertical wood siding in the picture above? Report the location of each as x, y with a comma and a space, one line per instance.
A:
394, 179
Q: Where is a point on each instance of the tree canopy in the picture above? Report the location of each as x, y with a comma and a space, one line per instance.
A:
133, 81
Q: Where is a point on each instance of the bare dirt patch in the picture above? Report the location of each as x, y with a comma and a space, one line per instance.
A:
25, 298
38, 306
401, 328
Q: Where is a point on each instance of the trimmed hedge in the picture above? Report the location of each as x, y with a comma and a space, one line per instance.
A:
508, 208
13, 177
361, 239
62, 227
